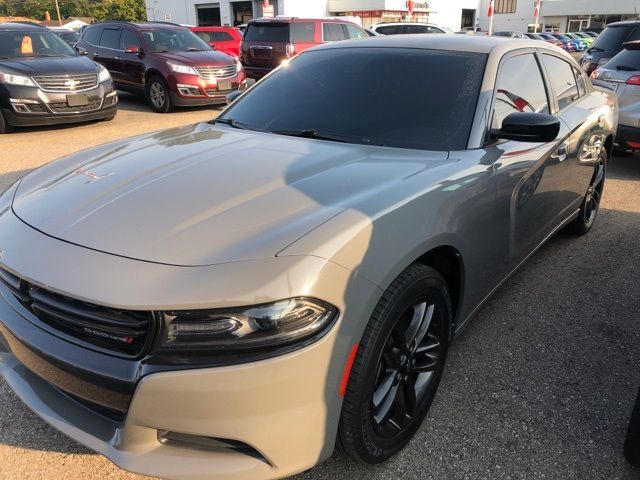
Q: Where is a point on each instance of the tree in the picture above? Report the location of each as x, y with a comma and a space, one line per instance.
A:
130, 10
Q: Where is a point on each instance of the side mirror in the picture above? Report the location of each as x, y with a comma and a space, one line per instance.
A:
132, 49
528, 127
232, 96
81, 51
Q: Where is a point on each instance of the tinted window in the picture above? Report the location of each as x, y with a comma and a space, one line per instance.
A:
626, 59
267, 32
389, 30
612, 38
92, 35
562, 80
355, 32
173, 40
221, 37
16, 44
520, 88
110, 38
434, 30
303, 32
333, 32
128, 39
338, 92
414, 29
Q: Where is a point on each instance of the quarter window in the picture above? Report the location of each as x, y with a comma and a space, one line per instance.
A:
431, 29
333, 32
221, 37
355, 32
520, 88
562, 80
110, 38
303, 32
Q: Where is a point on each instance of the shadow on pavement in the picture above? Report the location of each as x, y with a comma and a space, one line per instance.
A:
624, 167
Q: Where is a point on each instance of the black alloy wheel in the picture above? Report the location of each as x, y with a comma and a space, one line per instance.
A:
398, 366
591, 203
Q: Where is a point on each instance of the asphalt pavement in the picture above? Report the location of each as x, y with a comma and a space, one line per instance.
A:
540, 385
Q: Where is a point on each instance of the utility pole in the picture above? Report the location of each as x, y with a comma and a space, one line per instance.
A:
58, 11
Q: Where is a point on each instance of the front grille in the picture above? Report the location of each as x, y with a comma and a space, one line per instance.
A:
62, 107
67, 83
217, 72
123, 332
214, 92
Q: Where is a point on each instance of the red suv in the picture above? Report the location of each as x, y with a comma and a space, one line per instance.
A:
166, 62
223, 39
267, 42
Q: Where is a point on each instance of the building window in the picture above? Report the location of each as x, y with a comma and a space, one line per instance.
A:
506, 6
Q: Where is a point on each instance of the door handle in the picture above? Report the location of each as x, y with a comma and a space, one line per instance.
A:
116, 58
561, 152
95, 54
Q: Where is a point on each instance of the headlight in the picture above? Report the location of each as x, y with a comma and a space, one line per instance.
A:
176, 67
238, 65
261, 326
16, 79
104, 75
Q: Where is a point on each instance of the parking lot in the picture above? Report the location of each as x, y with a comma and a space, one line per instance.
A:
540, 385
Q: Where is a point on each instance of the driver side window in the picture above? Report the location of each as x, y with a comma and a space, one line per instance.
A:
520, 88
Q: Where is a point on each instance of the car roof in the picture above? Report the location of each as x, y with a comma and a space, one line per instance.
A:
457, 43
296, 19
624, 23
20, 26
384, 24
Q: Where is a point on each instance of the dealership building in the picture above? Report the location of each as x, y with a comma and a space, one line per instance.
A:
453, 14
556, 15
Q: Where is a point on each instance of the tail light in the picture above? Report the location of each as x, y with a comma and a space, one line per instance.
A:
290, 50
635, 80
634, 145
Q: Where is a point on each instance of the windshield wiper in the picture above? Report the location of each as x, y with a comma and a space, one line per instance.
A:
626, 68
239, 125
333, 137
193, 49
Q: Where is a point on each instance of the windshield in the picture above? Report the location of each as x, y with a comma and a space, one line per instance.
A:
376, 96
612, 38
16, 44
173, 40
69, 36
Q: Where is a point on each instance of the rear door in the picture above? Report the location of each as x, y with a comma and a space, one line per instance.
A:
108, 53
581, 111
530, 177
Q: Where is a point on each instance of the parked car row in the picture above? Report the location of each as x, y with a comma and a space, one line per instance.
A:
571, 42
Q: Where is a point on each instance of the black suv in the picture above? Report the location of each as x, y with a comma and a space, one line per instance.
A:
43, 81
609, 44
167, 63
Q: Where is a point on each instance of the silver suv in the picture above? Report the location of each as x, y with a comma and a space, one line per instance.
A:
622, 75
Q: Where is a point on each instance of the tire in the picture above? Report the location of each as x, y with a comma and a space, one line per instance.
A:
366, 432
4, 126
632, 440
157, 93
591, 202
108, 119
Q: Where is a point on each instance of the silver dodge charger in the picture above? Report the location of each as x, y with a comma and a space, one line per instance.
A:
229, 300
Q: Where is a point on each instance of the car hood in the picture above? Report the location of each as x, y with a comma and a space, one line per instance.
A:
50, 65
207, 194
199, 58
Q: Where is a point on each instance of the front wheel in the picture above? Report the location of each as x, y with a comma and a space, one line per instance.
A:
398, 366
4, 126
591, 203
158, 95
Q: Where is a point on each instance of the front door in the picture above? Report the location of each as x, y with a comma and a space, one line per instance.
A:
530, 177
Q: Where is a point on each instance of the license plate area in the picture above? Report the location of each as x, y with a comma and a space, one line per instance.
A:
224, 85
79, 100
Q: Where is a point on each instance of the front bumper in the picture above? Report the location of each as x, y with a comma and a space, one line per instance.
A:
283, 410
31, 106
193, 90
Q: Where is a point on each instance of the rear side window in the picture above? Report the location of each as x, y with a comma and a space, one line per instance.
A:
355, 32
562, 80
267, 32
220, 37
389, 30
333, 32
625, 60
92, 35
110, 38
303, 32
414, 29
128, 39
520, 88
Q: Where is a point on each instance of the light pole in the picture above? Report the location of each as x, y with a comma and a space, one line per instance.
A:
58, 11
